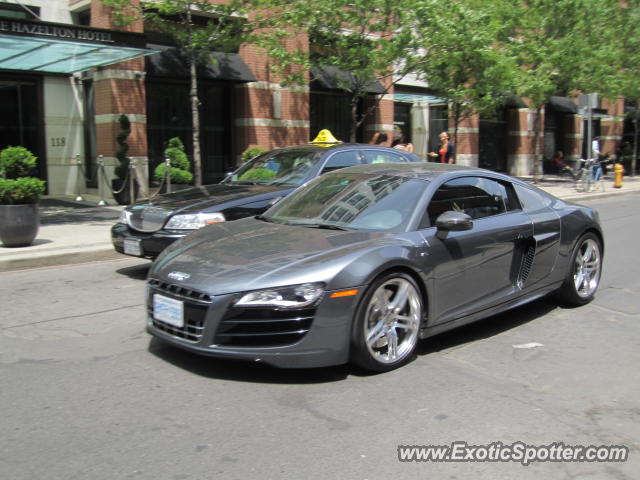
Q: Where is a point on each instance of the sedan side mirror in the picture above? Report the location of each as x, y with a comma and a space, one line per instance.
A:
452, 222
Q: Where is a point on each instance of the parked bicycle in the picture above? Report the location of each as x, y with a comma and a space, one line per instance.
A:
589, 173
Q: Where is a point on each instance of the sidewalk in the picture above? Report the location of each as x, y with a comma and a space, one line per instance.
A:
79, 231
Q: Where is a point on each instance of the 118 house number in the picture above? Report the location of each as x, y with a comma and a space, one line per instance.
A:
58, 141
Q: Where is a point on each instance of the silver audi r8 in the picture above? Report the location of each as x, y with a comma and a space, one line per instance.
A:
361, 263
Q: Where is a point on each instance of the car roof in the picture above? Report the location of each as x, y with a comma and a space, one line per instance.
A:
334, 146
422, 170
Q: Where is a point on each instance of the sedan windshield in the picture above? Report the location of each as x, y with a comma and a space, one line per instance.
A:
351, 201
279, 167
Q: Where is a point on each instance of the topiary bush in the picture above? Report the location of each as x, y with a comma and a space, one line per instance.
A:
180, 165
252, 152
258, 174
123, 147
15, 187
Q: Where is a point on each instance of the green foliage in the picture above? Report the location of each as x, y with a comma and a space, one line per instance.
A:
353, 38
15, 187
258, 174
16, 162
252, 152
180, 165
178, 176
123, 147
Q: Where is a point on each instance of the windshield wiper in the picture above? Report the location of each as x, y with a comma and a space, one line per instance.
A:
320, 225
263, 218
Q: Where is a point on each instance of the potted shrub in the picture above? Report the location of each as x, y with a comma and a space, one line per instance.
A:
19, 194
121, 184
252, 152
180, 166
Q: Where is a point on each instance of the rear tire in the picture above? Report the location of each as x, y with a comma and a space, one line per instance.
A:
387, 323
585, 269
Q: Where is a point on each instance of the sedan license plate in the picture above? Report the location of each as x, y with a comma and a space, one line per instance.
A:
132, 247
168, 310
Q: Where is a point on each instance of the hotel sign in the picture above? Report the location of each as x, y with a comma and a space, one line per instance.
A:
70, 33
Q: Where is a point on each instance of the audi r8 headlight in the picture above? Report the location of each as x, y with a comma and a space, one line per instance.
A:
296, 296
194, 221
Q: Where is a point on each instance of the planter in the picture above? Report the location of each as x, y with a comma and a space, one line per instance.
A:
124, 195
19, 224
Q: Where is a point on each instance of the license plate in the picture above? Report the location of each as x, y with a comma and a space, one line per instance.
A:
168, 310
132, 247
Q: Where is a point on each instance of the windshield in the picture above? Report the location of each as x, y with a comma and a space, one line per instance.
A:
351, 201
279, 167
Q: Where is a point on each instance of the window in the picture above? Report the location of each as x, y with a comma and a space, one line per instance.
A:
380, 156
20, 12
342, 160
478, 197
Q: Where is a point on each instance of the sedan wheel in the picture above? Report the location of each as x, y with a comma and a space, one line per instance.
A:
388, 323
585, 270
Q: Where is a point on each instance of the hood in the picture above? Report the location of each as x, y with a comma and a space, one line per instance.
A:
195, 199
251, 254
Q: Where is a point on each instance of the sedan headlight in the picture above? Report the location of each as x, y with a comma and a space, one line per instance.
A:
194, 221
123, 217
296, 296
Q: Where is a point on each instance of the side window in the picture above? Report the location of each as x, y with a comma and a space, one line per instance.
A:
478, 197
380, 156
341, 160
531, 200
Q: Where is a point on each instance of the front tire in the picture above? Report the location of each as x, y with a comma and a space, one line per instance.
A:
387, 323
585, 269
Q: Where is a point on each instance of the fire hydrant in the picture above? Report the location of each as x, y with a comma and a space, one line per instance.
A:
618, 171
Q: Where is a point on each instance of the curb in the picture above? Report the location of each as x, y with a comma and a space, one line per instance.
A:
66, 258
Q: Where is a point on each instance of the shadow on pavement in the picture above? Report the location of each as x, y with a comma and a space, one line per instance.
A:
246, 371
488, 327
243, 371
136, 272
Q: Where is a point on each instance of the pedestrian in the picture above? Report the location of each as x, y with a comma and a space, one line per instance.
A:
446, 149
398, 142
561, 165
595, 148
379, 138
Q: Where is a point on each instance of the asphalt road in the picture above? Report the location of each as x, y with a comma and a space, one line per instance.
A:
85, 393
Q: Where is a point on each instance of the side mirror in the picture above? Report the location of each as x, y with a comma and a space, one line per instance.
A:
452, 222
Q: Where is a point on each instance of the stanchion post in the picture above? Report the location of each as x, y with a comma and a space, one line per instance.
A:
167, 173
101, 181
132, 181
78, 163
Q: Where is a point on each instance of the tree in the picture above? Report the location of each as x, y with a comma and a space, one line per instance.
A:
460, 59
560, 47
198, 28
355, 45
625, 25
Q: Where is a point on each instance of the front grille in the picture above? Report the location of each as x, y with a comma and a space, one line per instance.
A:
147, 219
263, 327
194, 316
180, 291
196, 305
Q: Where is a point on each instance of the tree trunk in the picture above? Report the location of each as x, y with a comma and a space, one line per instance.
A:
195, 113
537, 160
634, 156
354, 118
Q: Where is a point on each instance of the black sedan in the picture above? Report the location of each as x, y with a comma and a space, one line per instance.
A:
147, 228
361, 263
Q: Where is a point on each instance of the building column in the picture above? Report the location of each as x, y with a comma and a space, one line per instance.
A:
120, 89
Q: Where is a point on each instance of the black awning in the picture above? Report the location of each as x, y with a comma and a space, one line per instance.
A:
512, 101
171, 62
332, 78
562, 105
